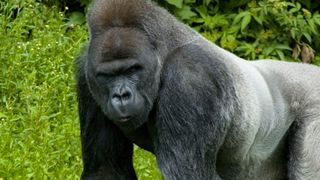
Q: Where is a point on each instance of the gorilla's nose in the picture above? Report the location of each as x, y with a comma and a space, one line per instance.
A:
122, 95
124, 104
122, 100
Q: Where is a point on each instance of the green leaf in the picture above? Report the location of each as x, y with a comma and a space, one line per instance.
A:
219, 20
198, 20
268, 50
177, 3
312, 25
280, 54
2, 115
189, 1
307, 36
77, 18
238, 18
282, 47
288, 4
245, 21
202, 10
186, 13
206, 2
296, 8
316, 18
258, 19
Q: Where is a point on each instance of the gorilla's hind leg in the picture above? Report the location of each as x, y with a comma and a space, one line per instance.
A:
304, 149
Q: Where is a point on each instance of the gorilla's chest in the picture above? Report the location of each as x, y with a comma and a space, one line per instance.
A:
141, 137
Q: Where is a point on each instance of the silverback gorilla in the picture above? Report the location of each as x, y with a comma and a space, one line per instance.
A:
205, 113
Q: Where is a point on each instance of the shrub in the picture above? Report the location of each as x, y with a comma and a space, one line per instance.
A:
256, 29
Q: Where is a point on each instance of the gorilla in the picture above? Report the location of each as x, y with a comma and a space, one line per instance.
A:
147, 79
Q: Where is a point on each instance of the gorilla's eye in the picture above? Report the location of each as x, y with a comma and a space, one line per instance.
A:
103, 74
119, 71
133, 69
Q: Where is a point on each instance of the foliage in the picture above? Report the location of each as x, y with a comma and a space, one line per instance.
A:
252, 29
256, 29
39, 126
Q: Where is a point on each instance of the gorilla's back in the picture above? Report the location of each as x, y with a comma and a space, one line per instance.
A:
299, 83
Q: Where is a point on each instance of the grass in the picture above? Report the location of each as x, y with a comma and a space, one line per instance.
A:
39, 128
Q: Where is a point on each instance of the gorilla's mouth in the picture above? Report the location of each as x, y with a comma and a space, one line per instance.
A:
125, 119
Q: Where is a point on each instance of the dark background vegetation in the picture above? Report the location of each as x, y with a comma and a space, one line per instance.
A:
39, 129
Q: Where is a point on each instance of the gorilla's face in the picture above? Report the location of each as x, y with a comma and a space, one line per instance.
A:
123, 75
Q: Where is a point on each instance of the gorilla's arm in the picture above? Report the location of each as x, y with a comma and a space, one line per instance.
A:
191, 126
107, 153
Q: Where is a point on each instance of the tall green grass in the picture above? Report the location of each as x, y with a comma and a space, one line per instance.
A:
39, 128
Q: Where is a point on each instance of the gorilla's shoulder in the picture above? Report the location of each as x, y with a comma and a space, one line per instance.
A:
193, 51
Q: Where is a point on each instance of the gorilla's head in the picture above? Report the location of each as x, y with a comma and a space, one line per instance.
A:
122, 71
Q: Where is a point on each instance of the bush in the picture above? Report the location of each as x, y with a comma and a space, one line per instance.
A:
38, 127
256, 29
253, 29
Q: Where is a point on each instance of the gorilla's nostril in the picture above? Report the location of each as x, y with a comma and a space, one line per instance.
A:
116, 96
126, 95
123, 96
